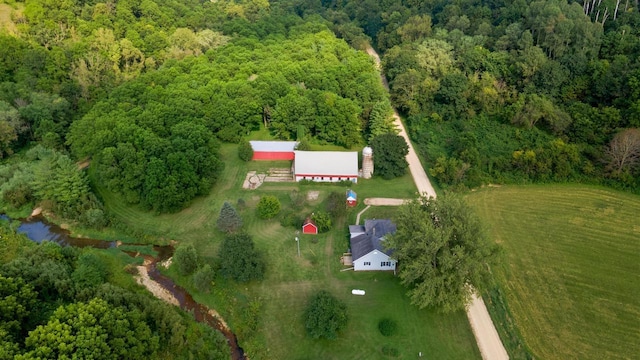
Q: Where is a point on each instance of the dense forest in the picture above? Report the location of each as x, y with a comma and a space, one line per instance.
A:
510, 91
63, 302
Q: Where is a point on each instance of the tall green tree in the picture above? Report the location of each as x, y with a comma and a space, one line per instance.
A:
389, 156
442, 249
239, 259
325, 316
186, 258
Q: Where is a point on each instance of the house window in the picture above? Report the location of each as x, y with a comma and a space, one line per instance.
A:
385, 263
367, 263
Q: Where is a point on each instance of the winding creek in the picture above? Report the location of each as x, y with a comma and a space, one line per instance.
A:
39, 229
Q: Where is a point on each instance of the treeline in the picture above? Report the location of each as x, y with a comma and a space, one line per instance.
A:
511, 91
60, 302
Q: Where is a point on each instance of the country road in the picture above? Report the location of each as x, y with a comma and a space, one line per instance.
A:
484, 331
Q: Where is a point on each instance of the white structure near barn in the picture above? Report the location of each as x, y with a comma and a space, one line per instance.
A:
367, 250
326, 166
367, 162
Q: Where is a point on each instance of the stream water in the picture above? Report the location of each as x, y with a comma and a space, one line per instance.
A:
39, 229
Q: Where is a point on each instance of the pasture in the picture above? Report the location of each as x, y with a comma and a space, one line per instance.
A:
571, 275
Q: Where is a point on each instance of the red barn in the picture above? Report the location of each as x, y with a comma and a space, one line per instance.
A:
309, 227
273, 150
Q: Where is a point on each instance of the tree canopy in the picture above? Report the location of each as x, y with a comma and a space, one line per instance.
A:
389, 155
443, 250
325, 316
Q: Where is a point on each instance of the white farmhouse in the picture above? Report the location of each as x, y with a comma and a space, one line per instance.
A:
367, 248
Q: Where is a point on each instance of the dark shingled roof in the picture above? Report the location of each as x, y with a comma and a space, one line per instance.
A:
363, 244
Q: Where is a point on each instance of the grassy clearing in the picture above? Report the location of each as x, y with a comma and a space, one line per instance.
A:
290, 280
572, 273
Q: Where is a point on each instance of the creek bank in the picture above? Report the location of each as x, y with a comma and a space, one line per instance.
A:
38, 229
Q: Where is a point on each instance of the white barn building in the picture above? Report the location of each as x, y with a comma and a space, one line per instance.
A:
326, 166
367, 250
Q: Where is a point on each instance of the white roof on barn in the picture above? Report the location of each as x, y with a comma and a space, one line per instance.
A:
326, 163
274, 146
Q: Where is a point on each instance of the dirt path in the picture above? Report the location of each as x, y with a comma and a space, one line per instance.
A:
484, 331
415, 167
385, 201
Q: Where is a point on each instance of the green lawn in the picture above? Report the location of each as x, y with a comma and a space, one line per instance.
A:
572, 272
290, 279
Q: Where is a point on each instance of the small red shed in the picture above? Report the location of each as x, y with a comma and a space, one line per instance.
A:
309, 227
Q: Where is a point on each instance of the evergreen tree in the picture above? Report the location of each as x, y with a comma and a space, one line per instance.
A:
239, 260
229, 220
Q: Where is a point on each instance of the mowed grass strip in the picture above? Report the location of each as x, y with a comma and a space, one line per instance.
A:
572, 270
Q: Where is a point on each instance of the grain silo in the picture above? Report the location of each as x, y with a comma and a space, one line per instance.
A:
367, 162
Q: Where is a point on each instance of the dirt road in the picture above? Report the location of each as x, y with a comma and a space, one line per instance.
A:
415, 167
485, 332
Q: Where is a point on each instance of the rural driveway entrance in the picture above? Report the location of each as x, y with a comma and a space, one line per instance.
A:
485, 332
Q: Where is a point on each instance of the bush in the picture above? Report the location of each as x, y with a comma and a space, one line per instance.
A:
297, 199
387, 327
322, 221
186, 259
203, 278
245, 151
94, 218
325, 316
390, 351
291, 218
335, 205
241, 204
268, 207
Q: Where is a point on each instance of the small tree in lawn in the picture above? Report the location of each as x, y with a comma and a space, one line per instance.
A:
239, 260
389, 155
268, 207
186, 259
203, 278
245, 151
325, 316
229, 220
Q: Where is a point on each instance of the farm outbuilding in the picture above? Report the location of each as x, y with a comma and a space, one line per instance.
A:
351, 198
273, 150
309, 227
326, 166
367, 250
